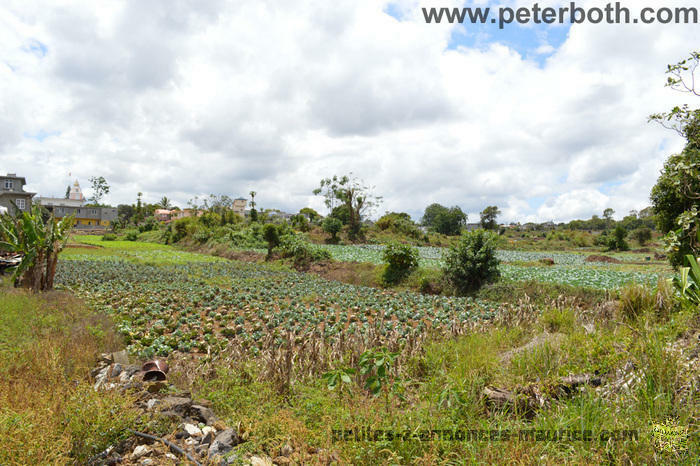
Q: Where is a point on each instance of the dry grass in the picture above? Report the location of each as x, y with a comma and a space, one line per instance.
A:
49, 413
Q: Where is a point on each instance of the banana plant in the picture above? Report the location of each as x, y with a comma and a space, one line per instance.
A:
688, 281
38, 242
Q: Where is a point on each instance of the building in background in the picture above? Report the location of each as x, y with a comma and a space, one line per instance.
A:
86, 217
12, 193
239, 205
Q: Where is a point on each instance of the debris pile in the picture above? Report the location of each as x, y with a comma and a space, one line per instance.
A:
200, 438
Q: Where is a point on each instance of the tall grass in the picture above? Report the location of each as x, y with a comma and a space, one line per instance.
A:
49, 412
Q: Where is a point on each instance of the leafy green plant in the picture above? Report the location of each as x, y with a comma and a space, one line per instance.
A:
472, 262
401, 260
688, 281
339, 377
109, 237
272, 236
131, 235
332, 226
376, 364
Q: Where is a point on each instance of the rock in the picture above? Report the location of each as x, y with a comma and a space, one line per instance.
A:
190, 442
207, 439
178, 404
224, 442
282, 460
121, 357
589, 328
140, 451
101, 377
171, 457
147, 462
181, 434
260, 461
202, 414
152, 403
207, 429
192, 430
116, 370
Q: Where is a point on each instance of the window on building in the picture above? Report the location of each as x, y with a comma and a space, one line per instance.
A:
9, 184
93, 211
21, 205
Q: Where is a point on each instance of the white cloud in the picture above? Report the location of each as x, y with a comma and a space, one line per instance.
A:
189, 98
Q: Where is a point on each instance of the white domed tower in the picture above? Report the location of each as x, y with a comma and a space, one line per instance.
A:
76, 194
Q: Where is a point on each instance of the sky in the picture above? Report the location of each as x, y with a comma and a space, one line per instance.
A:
183, 98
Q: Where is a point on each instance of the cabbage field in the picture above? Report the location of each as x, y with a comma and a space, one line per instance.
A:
569, 269
206, 306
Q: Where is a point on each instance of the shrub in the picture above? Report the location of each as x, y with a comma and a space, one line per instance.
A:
131, 235
109, 237
472, 262
302, 251
332, 226
401, 259
617, 241
642, 235
271, 235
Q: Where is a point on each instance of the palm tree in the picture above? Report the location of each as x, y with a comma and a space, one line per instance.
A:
252, 199
164, 203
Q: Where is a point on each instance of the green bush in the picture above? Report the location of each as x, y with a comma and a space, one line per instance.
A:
642, 235
131, 235
472, 262
109, 237
272, 236
332, 226
302, 251
401, 259
617, 241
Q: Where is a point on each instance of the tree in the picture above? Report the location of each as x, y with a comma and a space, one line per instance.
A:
39, 242
272, 236
676, 195
444, 220
617, 241
100, 188
311, 213
642, 235
472, 262
488, 217
608, 214
352, 193
431, 214
164, 203
253, 212
332, 226
68, 192
342, 213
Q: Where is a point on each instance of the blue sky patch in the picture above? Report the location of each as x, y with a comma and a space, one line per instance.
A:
36, 48
41, 135
534, 42
393, 10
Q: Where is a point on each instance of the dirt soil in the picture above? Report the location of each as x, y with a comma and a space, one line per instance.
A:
608, 259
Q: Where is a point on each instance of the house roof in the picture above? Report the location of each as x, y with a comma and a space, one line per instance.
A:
15, 177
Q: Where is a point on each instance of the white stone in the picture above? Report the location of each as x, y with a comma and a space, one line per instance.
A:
193, 430
141, 450
258, 461
207, 429
150, 404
